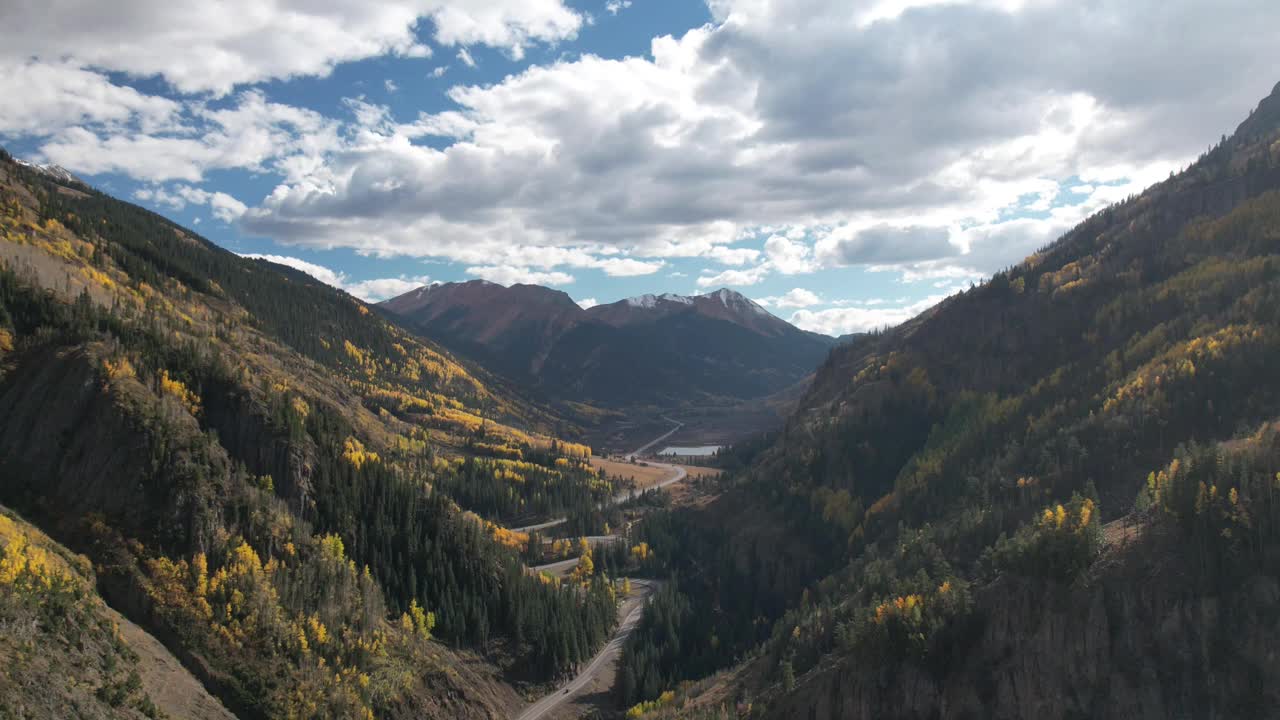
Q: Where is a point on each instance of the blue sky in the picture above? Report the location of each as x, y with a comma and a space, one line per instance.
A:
845, 163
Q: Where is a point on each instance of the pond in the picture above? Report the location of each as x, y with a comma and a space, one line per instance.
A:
701, 451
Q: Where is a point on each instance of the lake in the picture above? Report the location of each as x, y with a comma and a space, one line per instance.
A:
703, 451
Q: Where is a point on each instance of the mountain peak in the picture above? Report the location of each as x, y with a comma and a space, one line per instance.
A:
57, 172
735, 300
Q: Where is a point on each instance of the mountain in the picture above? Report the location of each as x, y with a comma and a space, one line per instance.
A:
297, 496
655, 350
1054, 495
518, 324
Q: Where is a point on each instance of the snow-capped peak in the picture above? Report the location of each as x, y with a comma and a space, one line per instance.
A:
737, 301
57, 172
650, 301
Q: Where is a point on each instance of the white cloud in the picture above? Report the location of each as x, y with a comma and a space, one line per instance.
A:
796, 298
588, 303
440, 71
213, 46
375, 290
509, 275
732, 255
381, 289
782, 138
252, 134
319, 272
734, 278
929, 121
615, 6
844, 320
223, 206
46, 96
466, 58
788, 256
390, 85
626, 267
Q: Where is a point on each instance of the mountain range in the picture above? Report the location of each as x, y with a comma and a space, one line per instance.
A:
654, 350
228, 488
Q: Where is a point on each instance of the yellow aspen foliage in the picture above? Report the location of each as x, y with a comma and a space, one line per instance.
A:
200, 574
1086, 513
318, 632
27, 566
300, 407
6, 340
353, 451
175, 388
119, 368
331, 547
585, 568
640, 552
423, 622
353, 352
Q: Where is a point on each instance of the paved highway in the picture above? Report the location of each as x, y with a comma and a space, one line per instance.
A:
631, 611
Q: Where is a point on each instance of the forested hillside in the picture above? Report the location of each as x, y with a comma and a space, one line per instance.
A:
1054, 495
263, 470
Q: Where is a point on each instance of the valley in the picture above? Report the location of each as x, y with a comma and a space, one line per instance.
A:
726, 360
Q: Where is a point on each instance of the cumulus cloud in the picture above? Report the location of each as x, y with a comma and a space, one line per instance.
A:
732, 255
782, 138
509, 275
885, 244
223, 206
58, 95
375, 290
380, 289
881, 140
588, 303
734, 278
214, 46
788, 256
613, 7
252, 134
795, 298
844, 320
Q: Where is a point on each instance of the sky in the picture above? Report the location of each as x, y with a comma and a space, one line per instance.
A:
847, 163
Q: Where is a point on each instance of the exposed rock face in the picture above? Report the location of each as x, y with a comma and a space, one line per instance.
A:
100, 452
1138, 640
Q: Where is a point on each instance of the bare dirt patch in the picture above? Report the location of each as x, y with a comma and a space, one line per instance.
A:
644, 475
173, 689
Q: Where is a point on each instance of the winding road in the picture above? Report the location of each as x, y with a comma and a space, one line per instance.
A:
631, 611
677, 474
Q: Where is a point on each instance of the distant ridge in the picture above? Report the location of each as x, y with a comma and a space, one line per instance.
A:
650, 349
